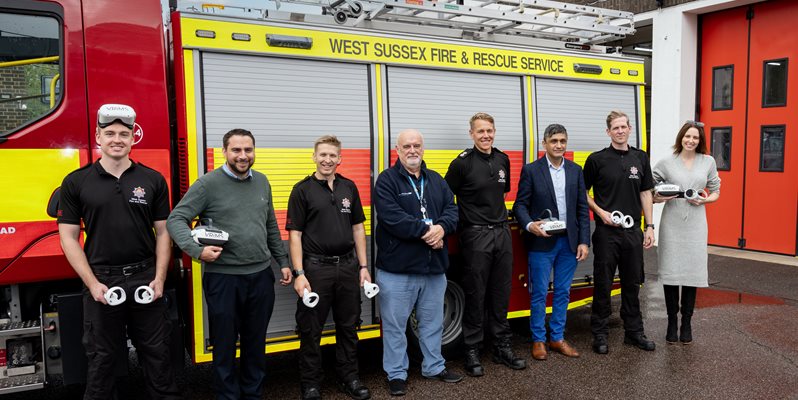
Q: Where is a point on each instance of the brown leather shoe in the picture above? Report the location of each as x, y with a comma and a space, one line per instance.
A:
539, 351
563, 348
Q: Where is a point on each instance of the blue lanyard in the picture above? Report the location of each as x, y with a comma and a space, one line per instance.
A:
419, 196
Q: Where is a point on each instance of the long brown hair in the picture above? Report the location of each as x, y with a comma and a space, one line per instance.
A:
702, 139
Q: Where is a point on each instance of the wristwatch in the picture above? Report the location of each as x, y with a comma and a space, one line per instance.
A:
650, 226
364, 267
296, 272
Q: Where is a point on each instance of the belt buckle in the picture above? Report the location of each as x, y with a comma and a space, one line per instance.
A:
334, 259
130, 270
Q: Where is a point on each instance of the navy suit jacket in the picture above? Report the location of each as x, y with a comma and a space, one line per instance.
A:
536, 193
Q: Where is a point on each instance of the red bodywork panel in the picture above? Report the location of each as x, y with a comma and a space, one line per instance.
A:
115, 52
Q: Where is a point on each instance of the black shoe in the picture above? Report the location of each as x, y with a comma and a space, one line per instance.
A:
600, 345
397, 387
311, 393
447, 376
503, 354
472, 365
686, 333
640, 341
355, 389
671, 334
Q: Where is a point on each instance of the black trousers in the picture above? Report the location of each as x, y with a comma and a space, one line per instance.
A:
148, 327
487, 274
338, 287
622, 249
239, 306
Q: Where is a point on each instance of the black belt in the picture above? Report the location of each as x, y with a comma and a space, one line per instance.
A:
489, 226
330, 259
125, 270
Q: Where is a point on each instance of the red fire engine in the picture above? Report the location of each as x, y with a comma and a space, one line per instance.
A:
289, 72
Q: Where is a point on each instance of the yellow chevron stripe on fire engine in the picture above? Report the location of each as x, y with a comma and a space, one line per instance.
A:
28, 178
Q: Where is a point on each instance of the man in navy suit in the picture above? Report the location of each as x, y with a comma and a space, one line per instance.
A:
556, 185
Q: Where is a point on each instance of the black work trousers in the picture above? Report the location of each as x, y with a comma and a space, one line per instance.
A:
148, 327
487, 274
622, 248
338, 287
239, 307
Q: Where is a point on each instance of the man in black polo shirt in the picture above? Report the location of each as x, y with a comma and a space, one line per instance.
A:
119, 202
621, 178
327, 242
480, 178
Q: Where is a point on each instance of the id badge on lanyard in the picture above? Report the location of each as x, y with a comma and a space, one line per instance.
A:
421, 200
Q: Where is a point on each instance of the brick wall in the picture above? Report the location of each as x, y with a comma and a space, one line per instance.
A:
635, 6
12, 82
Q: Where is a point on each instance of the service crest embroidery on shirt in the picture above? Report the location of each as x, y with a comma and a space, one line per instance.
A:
138, 196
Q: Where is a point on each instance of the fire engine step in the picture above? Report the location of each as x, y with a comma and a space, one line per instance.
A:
21, 383
19, 328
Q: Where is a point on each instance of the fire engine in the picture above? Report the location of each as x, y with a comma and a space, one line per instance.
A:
290, 71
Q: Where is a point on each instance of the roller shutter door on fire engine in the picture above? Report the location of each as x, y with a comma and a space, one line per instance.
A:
288, 104
582, 108
440, 104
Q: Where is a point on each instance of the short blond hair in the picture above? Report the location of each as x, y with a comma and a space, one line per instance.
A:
483, 116
615, 114
327, 139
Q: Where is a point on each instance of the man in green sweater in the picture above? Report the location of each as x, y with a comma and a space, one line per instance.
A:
237, 278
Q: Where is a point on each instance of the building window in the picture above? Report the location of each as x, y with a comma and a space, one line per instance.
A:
722, 87
771, 153
721, 147
774, 83
30, 49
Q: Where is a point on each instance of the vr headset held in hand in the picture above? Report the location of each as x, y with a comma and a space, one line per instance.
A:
667, 190
207, 235
552, 226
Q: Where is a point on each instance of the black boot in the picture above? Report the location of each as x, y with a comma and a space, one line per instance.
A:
472, 365
503, 354
688, 304
672, 305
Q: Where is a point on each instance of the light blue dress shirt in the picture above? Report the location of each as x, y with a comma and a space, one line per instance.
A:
558, 180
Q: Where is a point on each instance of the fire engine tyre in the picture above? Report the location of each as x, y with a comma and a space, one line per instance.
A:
340, 17
452, 340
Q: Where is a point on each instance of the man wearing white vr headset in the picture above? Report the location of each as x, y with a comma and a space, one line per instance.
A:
328, 250
119, 202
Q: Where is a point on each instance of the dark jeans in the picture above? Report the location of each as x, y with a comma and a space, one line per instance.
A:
622, 248
148, 327
239, 305
487, 273
338, 287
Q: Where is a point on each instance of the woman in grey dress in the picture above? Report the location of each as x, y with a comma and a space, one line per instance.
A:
682, 247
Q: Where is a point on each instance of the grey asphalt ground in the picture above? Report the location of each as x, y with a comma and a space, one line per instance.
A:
745, 347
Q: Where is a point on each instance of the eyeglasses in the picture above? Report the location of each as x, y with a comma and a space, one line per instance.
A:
696, 124
110, 113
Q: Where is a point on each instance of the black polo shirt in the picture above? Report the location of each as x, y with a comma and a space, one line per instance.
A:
480, 181
617, 178
118, 214
325, 217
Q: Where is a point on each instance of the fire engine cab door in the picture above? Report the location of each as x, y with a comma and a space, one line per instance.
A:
749, 103
287, 104
582, 108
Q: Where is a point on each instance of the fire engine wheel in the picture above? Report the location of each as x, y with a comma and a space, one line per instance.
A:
452, 340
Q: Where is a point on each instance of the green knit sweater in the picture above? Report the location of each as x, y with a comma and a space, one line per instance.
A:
242, 208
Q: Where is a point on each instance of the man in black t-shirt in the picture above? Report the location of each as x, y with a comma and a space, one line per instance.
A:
327, 241
119, 202
621, 178
480, 178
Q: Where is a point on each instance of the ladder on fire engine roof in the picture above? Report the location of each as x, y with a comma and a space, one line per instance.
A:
489, 20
